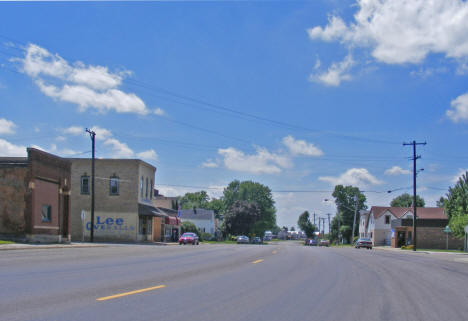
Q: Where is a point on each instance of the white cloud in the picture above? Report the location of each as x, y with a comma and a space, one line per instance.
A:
459, 109
158, 111
119, 149
301, 147
261, 162
210, 164
8, 149
60, 138
397, 170
74, 130
335, 74
101, 133
148, 155
7, 127
399, 31
461, 172
86, 86
355, 176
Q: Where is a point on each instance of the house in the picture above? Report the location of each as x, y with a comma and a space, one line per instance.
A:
203, 219
123, 200
393, 226
35, 197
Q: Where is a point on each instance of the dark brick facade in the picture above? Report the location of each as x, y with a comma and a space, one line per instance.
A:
26, 186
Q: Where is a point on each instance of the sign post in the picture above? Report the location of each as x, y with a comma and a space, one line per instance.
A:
466, 238
83, 217
447, 231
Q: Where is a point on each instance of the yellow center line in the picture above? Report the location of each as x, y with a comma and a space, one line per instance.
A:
257, 261
104, 298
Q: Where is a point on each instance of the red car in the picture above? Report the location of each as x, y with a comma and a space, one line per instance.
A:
189, 238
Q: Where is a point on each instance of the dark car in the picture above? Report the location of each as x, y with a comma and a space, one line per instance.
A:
324, 243
363, 242
256, 240
242, 239
189, 238
310, 242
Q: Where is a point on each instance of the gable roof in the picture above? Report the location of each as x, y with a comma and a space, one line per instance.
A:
198, 214
429, 213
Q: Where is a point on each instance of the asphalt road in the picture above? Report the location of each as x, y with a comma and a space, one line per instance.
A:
285, 281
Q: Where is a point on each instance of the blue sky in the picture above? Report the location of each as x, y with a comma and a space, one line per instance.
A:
295, 95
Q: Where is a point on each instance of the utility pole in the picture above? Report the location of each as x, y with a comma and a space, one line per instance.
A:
92, 134
328, 214
356, 198
320, 231
323, 225
414, 143
314, 218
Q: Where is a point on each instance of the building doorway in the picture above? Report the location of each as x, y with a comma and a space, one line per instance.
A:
401, 239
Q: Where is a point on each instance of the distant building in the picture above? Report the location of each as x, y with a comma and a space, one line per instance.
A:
203, 219
124, 209
35, 197
159, 200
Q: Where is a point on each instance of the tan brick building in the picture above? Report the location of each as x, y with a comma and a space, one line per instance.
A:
34, 197
123, 200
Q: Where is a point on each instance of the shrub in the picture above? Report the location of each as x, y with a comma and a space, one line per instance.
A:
205, 236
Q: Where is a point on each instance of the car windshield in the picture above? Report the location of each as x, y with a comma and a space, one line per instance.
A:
188, 235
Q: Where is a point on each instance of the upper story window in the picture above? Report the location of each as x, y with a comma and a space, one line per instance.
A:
146, 192
114, 185
85, 184
151, 190
46, 213
141, 187
387, 219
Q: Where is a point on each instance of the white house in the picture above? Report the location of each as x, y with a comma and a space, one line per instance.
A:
203, 219
376, 224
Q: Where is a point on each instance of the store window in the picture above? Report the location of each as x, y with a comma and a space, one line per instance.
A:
146, 192
114, 185
85, 184
46, 213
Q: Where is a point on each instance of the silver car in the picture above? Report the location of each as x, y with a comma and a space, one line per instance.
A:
242, 239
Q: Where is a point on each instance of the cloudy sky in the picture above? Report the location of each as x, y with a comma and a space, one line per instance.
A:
299, 96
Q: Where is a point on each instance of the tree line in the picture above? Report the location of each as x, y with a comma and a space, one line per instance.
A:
245, 208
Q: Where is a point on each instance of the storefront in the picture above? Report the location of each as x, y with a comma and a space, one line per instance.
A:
166, 226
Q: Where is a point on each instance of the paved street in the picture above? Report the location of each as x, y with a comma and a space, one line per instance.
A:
284, 281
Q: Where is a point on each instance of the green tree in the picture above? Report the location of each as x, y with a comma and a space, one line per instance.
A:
217, 205
257, 193
194, 200
306, 225
345, 204
188, 227
240, 217
456, 205
406, 200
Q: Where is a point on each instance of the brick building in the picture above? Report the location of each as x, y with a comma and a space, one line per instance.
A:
35, 197
123, 200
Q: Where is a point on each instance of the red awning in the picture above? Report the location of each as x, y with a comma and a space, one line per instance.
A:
170, 220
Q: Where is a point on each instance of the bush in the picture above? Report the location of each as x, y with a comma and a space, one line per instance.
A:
205, 236
407, 247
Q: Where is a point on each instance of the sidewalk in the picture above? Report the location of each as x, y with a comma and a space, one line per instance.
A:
397, 249
26, 246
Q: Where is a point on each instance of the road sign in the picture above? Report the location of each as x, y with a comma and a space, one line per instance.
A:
466, 229
83, 215
447, 229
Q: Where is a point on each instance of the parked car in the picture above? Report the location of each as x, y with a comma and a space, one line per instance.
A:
242, 239
256, 240
363, 242
310, 242
324, 243
189, 238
